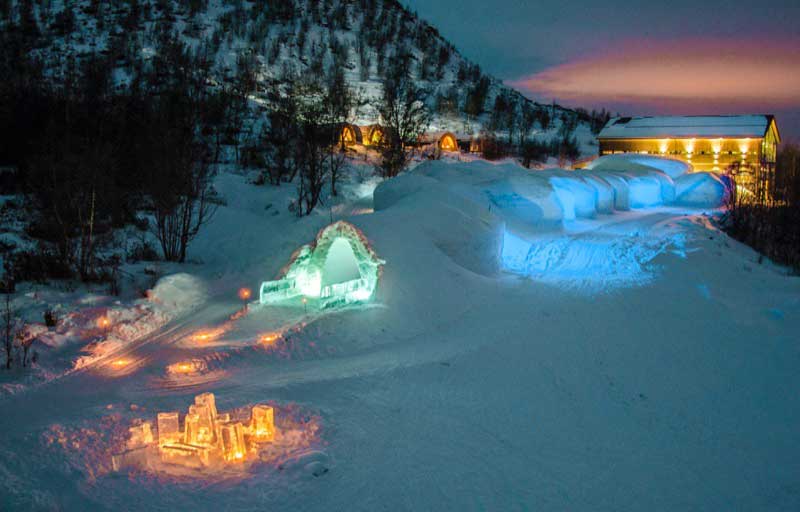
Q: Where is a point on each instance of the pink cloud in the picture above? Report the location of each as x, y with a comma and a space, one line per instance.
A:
697, 73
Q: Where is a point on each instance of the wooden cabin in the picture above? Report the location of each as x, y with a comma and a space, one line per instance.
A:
744, 146
448, 142
372, 134
350, 135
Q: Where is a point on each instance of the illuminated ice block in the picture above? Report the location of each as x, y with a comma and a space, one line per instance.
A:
233, 447
204, 427
136, 457
207, 439
208, 400
140, 435
191, 428
168, 428
186, 455
262, 422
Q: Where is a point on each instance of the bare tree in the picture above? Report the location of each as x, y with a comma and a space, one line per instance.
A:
315, 136
526, 123
180, 178
9, 329
183, 207
339, 105
281, 137
405, 118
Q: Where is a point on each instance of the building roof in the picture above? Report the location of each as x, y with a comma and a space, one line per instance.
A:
680, 127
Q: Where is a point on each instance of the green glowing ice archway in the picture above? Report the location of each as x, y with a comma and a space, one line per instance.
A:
338, 268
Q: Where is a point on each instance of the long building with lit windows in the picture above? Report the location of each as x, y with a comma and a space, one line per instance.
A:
744, 146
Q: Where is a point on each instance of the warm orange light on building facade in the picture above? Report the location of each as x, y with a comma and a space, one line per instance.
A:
743, 146
703, 154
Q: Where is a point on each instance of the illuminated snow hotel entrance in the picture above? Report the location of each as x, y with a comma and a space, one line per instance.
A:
744, 146
338, 268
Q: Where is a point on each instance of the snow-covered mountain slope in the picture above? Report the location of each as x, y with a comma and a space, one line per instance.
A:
462, 386
275, 40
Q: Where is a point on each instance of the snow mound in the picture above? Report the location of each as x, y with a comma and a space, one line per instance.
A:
178, 293
701, 189
402, 186
534, 201
172, 296
669, 166
592, 263
471, 209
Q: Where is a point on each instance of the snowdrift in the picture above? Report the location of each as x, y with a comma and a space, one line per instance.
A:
627, 162
541, 200
486, 216
701, 189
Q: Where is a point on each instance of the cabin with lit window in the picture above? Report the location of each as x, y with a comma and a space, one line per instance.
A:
351, 135
448, 142
744, 146
373, 134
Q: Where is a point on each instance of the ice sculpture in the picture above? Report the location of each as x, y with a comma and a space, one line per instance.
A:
208, 439
338, 268
262, 423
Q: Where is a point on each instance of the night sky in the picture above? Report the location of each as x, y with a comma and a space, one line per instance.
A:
676, 57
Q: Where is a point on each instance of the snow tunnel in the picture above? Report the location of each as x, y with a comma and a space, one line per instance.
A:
338, 268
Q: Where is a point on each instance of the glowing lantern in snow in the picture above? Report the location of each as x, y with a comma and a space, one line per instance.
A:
187, 367
269, 339
204, 336
103, 322
184, 368
244, 293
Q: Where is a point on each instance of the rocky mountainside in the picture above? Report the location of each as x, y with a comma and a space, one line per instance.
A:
261, 44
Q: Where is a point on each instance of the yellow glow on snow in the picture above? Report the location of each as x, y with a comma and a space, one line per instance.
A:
204, 336
269, 339
209, 439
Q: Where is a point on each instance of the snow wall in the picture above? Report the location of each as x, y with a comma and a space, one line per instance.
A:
537, 200
471, 207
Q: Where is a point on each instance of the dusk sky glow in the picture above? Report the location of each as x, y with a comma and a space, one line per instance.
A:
634, 58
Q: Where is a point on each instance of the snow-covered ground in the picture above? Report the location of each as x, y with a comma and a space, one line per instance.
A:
622, 360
